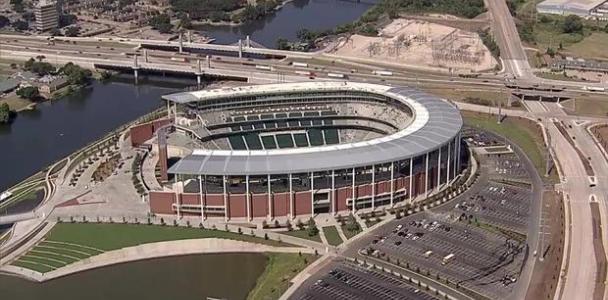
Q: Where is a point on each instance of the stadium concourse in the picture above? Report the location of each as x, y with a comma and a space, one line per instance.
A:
299, 149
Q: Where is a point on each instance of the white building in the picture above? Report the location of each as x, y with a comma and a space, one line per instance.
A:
596, 9
46, 15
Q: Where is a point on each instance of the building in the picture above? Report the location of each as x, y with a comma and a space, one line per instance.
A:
301, 149
579, 64
593, 9
46, 15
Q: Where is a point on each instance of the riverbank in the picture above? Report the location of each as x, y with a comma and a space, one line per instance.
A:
150, 251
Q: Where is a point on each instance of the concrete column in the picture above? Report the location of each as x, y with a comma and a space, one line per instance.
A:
333, 192
411, 178
353, 197
248, 198
373, 187
439, 168
457, 154
270, 213
177, 204
145, 55
312, 194
168, 109
181, 43
426, 175
198, 80
189, 36
290, 197
392, 183
200, 190
174, 112
240, 48
448, 164
225, 198
248, 42
208, 59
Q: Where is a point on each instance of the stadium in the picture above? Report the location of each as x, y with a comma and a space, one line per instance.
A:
301, 149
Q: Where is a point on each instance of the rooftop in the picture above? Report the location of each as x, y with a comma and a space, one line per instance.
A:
436, 122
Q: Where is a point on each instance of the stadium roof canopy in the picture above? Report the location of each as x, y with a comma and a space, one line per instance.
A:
436, 122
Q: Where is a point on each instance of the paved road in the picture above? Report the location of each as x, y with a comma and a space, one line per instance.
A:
507, 37
579, 279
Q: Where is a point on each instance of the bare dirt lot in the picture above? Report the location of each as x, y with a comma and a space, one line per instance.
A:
421, 43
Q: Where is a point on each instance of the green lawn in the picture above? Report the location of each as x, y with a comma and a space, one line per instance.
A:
349, 234
332, 235
303, 234
280, 269
115, 236
521, 132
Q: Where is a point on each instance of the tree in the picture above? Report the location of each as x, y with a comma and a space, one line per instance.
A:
66, 20
283, 44
72, 31
20, 25
312, 227
551, 52
76, 75
351, 224
29, 92
161, 22
572, 24
4, 21
5, 113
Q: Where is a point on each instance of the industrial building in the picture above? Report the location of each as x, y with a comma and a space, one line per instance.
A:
591, 9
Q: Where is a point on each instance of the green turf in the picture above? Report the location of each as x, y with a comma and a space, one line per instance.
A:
42, 260
280, 269
55, 256
32, 266
332, 235
62, 250
71, 247
115, 236
303, 234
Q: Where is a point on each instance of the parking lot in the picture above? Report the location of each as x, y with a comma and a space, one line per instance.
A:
347, 280
477, 240
464, 253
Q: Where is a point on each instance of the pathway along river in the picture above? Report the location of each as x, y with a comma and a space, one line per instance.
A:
196, 277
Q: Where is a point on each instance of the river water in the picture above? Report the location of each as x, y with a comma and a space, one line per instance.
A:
55, 129
196, 277
295, 15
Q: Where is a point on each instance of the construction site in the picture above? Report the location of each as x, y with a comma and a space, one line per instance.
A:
421, 44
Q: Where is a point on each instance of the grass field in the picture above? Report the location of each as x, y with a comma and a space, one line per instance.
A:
303, 234
491, 98
589, 105
332, 236
68, 243
522, 132
593, 46
280, 269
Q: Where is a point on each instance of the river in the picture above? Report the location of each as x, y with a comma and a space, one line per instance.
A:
295, 15
184, 277
55, 129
